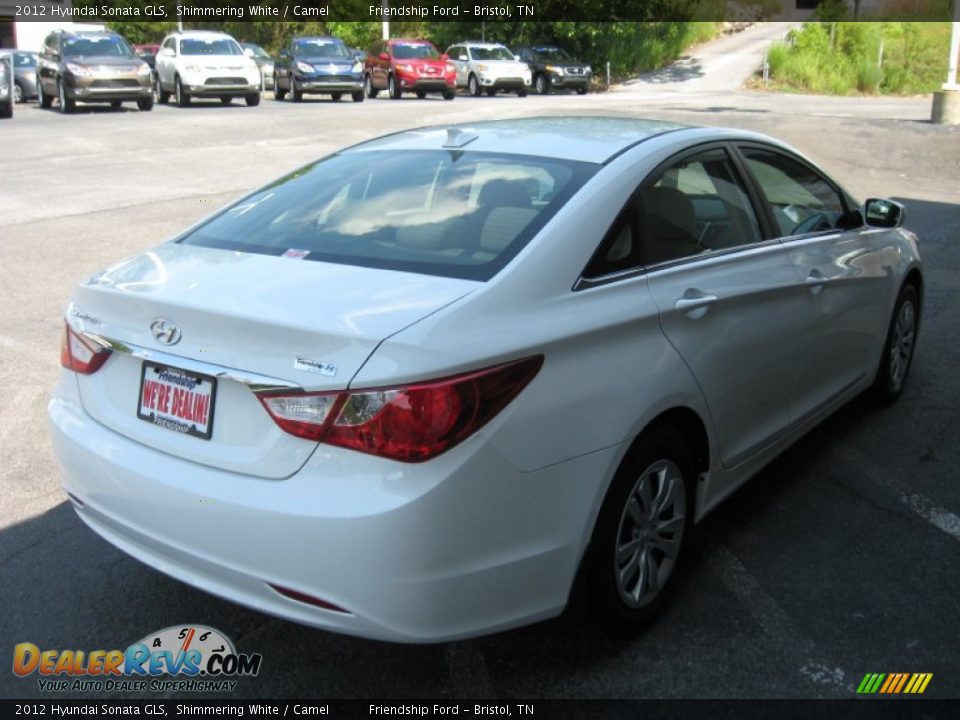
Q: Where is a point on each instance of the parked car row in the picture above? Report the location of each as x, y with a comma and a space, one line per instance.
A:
101, 67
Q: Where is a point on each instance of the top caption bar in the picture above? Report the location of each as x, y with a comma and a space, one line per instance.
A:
442, 10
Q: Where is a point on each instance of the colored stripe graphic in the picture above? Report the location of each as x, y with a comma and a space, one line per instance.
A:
894, 683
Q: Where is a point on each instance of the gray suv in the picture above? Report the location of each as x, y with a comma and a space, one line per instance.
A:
91, 67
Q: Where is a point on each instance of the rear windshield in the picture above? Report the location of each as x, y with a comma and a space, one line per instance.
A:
320, 48
95, 47
415, 52
213, 46
449, 213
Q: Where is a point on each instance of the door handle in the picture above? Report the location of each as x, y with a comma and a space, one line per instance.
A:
695, 303
815, 281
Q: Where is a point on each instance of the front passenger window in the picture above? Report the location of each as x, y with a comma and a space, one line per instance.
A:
802, 202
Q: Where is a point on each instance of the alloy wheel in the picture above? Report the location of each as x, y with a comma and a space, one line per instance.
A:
901, 345
650, 533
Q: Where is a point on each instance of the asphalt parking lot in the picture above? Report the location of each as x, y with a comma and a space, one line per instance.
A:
841, 558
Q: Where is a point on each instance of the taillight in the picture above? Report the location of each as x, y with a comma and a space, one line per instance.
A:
411, 423
80, 354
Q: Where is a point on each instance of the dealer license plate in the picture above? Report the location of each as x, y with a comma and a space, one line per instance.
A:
178, 400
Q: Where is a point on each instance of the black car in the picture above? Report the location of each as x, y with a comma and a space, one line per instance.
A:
6, 87
553, 67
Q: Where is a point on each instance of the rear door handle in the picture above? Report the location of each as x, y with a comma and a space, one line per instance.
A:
695, 303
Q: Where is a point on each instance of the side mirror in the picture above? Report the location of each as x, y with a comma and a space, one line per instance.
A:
463, 58
167, 52
444, 57
516, 57
248, 52
881, 213
384, 56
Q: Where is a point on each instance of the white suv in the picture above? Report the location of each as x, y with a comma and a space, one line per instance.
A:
489, 66
205, 64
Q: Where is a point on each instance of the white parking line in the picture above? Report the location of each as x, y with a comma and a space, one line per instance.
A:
939, 517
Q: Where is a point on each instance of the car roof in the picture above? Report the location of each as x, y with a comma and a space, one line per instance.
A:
594, 139
201, 34
408, 41
325, 38
475, 43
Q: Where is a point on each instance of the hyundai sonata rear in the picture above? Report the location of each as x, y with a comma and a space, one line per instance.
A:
416, 389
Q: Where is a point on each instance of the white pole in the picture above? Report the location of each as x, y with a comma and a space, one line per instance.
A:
954, 50
385, 25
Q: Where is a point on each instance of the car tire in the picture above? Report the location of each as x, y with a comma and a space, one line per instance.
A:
473, 86
393, 90
369, 88
18, 95
449, 94
253, 99
336, 96
899, 348
182, 97
163, 97
145, 104
67, 105
421, 94
296, 94
522, 92
43, 100
357, 96
582, 90
640, 534
541, 84
6, 110
278, 92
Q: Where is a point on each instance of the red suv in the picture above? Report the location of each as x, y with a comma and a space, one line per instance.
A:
400, 66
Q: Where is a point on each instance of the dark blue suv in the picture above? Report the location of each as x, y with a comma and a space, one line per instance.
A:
317, 65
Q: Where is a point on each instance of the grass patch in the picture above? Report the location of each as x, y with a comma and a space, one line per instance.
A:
844, 58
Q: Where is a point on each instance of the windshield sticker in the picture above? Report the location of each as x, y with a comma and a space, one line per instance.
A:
295, 253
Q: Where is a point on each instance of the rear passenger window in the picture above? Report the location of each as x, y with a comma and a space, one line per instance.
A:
801, 201
696, 206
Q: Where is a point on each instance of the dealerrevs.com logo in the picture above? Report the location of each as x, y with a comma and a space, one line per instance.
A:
198, 658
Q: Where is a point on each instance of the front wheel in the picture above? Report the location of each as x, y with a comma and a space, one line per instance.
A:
253, 99
449, 94
639, 535
541, 85
582, 90
522, 92
162, 95
369, 88
44, 100
473, 86
18, 93
278, 92
393, 90
67, 104
183, 99
898, 350
296, 94
357, 96
336, 96
145, 104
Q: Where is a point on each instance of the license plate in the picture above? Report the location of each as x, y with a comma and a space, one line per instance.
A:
177, 399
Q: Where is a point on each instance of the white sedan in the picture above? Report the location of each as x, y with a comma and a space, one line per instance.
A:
425, 387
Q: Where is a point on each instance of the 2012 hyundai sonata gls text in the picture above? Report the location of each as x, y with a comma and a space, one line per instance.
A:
416, 389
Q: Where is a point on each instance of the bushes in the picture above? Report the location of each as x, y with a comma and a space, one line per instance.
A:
839, 58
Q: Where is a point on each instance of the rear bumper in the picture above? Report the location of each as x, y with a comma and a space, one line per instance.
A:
459, 546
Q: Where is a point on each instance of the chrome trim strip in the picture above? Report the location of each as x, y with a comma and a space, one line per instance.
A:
256, 382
